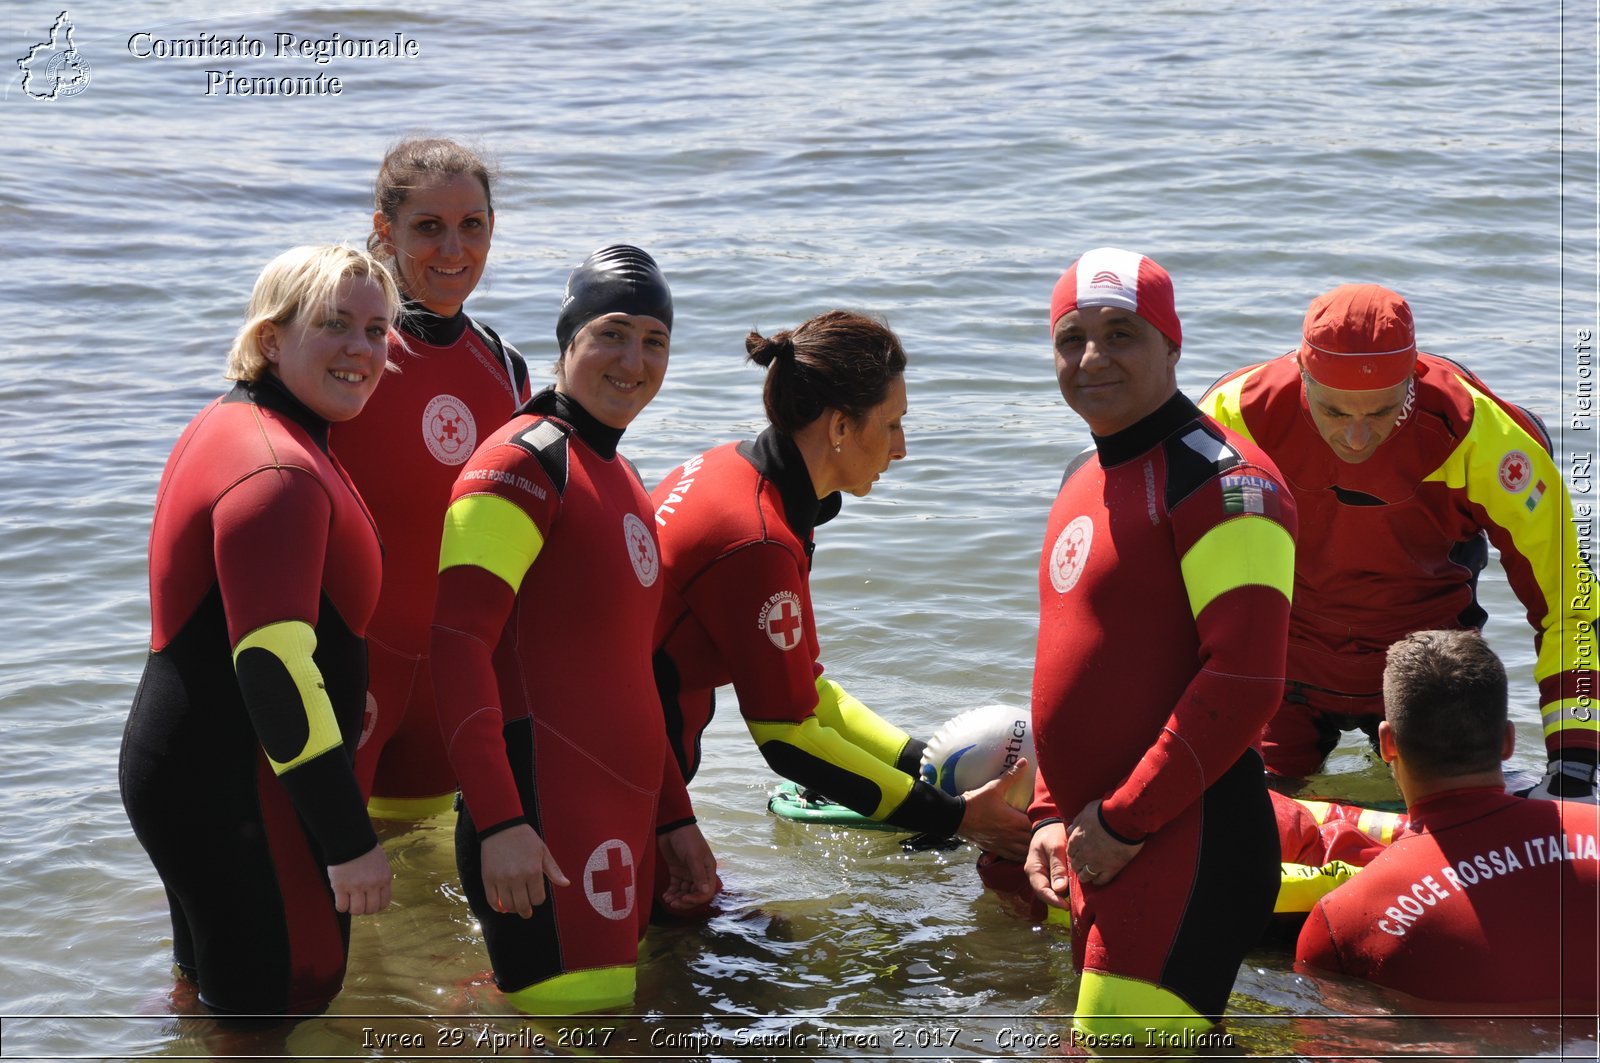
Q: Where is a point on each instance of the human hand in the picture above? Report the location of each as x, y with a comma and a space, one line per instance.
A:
1046, 865
515, 863
361, 886
1564, 780
991, 822
1095, 855
691, 868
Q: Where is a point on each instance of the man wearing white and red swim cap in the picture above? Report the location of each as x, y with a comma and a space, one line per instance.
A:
1164, 608
1405, 466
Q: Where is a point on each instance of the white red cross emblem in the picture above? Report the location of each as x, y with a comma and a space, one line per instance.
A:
780, 619
608, 879
1516, 470
1070, 553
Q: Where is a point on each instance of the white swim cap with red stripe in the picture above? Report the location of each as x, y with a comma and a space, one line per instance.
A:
1110, 276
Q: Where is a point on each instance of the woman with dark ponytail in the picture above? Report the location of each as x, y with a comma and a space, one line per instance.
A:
736, 540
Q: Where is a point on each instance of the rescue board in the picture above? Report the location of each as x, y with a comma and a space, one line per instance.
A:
790, 801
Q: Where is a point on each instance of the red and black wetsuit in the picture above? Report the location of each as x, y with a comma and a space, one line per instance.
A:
1163, 609
236, 763
1399, 544
549, 584
1487, 899
456, 381
736, 541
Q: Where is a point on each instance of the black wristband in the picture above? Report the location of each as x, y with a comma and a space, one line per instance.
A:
489, 832
1100, 813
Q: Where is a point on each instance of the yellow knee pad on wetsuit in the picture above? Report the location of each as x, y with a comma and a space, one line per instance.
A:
1113, 1008
567, 994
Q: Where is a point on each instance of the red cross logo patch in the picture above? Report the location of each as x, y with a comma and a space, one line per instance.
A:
1070, 553
448, 430
608, 879
641, 547
1516, 469
780, 619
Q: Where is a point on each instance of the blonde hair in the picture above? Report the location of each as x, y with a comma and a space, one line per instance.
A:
301, 282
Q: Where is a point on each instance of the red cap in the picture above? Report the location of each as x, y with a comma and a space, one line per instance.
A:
1358, 337
1109, 276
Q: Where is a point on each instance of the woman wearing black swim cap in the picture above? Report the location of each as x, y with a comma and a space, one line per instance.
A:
736, 541
549, 583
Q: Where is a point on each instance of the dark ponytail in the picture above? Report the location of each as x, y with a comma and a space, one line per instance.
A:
839, 360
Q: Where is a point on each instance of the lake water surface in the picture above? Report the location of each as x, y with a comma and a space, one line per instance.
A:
938, 163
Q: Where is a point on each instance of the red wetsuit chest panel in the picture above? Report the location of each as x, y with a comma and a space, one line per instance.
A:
234, 462
404, 451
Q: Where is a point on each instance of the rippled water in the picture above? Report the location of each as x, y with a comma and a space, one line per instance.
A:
939, 163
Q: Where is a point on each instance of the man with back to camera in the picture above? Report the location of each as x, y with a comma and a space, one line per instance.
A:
1487, 898
1402, 465
1164, 609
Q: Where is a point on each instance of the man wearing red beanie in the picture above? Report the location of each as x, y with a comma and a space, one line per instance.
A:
1404, 468
1163, 613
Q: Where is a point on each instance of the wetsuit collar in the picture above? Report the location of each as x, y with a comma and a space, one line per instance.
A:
1143, 434
429, 327
270, 393
601, 438
1448, 808
776, 457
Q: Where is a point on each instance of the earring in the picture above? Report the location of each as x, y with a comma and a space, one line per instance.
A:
836, 447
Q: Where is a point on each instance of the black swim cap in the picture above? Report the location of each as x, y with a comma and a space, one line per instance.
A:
614, 280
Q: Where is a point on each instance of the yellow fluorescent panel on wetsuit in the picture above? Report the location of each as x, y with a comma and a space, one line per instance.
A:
576, 991
291, 643
837, 709
831, 747
493, 534
1113, 1006
1236, 553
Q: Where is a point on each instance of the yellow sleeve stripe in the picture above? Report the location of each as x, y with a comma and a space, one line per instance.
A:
1319, 809
1225, 405
838, 709
1544, 534
493, 534
293, 642
1380, 825
1570, 714
826, 744
1243, 551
